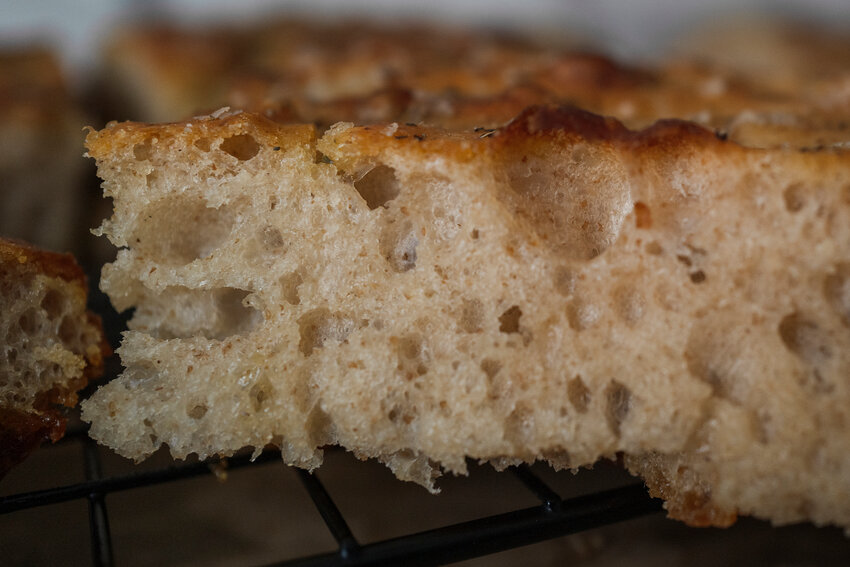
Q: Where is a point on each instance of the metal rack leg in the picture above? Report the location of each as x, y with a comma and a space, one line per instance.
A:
101, 541
348, 546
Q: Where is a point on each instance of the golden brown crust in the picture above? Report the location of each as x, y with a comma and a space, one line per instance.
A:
23, 432
31, 260
196, 130
686, 497
324, 73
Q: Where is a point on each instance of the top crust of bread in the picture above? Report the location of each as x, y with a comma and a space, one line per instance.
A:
562, 288
303, 72
33, 260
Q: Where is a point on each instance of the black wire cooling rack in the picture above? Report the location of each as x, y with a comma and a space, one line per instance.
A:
553, 517
587, 506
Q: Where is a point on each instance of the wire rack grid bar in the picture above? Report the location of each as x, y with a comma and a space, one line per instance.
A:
492, 534
101, 540
104, 486
333, 518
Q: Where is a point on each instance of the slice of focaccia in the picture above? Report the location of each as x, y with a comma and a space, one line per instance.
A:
561, 288
51, 346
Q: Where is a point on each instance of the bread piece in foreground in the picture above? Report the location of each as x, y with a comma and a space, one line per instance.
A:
51, 346
560, 289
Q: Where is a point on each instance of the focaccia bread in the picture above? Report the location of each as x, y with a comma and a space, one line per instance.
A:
165, 72
41, 138
323, 73
51, 346
561, 289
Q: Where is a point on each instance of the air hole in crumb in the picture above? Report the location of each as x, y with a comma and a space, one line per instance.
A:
654, 248
241, 146
198, 411
629, 303
234, 317
13, 334
151, 179
794, 197
618, 402
474, 234
579, 394
259, 394
698, 277
53, 304
319, 326
471, 316
836, 288
509, 320
519, 427
142, 150
179, 229
581, 315
28, 321
643, 216
289, 287
576, 206
214, 314
271, 239
565, 280
203, 144
413, 354
490, 367
378, 187
804, 338
398, 245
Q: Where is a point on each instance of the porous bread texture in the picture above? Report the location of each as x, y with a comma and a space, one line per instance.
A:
51, 346
560, 289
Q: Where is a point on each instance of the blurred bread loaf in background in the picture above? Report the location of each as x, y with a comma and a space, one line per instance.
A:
316, 72
43, 198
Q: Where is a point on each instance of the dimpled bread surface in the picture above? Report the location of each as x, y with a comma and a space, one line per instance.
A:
559, 289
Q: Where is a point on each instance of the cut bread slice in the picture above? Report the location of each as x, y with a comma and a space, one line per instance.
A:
51, 346
559, 289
